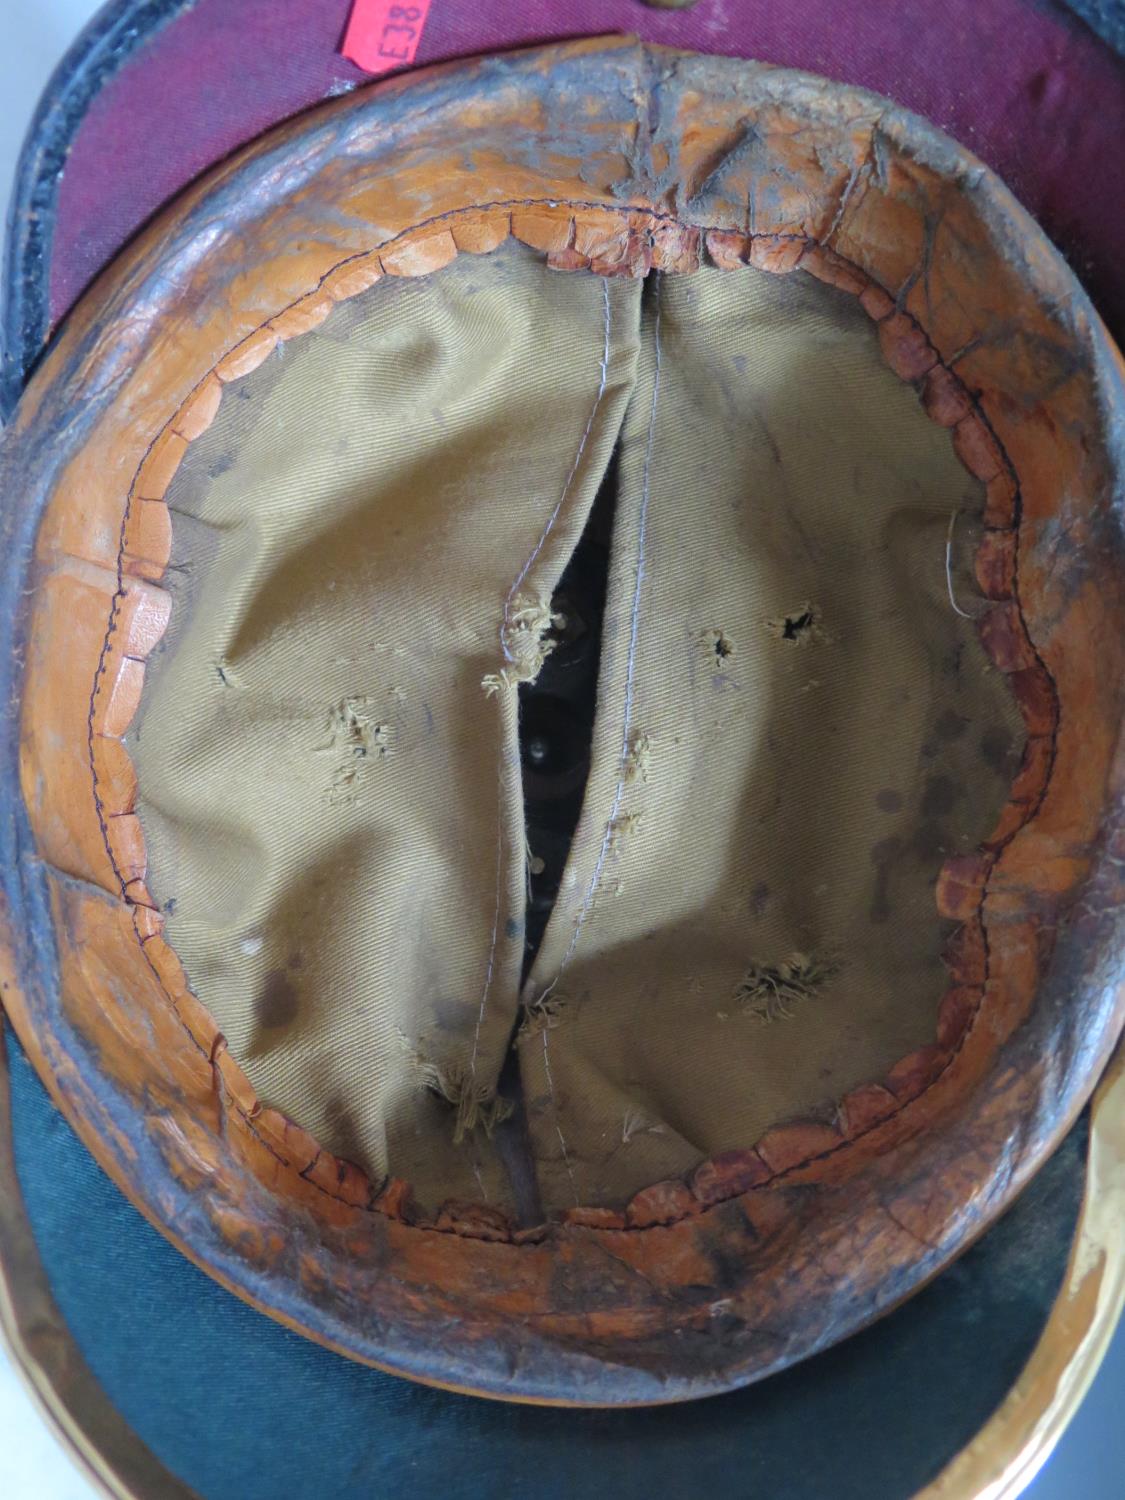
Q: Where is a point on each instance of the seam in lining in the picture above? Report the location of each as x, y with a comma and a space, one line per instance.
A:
512, 592
627, 725
541, 543
631, 660
555, 1112
492, 943
655, 217
604, 376
474, 1161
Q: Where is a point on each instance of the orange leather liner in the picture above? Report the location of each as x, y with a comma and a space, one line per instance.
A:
608, 243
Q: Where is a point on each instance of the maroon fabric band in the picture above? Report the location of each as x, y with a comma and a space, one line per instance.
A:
1021, 82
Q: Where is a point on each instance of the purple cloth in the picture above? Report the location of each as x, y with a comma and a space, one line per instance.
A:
1020, 82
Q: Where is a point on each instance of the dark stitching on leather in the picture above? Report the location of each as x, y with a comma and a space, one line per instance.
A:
651, 217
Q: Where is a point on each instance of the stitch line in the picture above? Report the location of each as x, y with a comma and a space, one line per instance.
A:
595, 408
558, 1124
630, 666
631, 661
492, 945
475, 1161
529, 564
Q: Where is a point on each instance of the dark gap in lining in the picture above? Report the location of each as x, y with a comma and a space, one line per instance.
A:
557, 714
556, 732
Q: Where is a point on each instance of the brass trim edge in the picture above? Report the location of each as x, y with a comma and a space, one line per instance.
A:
68, 1395
1012, 1447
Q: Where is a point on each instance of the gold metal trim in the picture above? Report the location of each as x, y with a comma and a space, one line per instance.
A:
90, 1428
1012, 1447
998, 1464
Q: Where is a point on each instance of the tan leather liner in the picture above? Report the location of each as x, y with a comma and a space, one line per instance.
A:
137, 615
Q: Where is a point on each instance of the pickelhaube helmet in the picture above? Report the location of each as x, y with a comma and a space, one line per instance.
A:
565, 690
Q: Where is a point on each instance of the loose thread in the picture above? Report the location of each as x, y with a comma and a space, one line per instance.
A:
949, 567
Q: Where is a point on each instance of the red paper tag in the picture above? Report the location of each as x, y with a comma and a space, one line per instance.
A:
382, 36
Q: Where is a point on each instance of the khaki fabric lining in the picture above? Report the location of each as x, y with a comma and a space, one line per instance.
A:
332, 801
777, 799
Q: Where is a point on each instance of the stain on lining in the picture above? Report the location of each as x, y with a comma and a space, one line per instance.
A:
278, 1003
